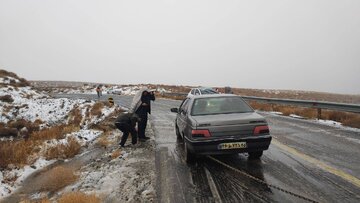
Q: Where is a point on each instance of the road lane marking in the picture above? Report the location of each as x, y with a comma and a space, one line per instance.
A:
212, 186
352, 179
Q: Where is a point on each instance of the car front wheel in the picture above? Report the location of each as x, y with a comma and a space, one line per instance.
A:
255, 155
177, 132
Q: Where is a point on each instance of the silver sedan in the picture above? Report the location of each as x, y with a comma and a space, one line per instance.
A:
220, 124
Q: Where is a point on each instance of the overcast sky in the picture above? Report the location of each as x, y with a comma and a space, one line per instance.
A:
270, 44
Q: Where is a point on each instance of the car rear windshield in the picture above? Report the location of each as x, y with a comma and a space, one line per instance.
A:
219, 105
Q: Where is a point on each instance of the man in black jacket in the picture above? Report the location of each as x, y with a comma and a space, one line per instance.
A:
143, 111
126, 123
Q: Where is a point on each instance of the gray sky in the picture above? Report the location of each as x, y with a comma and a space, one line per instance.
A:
270, 44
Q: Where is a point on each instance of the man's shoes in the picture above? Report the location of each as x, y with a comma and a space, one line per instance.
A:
143, 139
135, 145
121, 145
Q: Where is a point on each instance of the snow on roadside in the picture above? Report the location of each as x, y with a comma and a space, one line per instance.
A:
336, 125
329, 123
127, 178
319, 121
84, 136
296, 116
30, 105
20, 174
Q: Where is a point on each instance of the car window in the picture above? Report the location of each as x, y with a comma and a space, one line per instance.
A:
197, 92
219, 105
193, 91
208, 91
184, 105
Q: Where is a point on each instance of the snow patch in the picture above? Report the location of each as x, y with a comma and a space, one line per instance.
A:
31, 105
84, 136
296, 116
329, 123
6, 188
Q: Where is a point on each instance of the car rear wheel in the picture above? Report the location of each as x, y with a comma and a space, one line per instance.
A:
189, 156
255, 155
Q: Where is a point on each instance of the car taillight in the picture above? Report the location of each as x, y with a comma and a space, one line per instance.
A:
200, 133
261, 130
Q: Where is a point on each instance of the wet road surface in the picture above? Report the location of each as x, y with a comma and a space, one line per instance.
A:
312, 160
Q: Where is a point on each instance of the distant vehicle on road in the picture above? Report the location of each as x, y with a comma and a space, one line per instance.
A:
201, 91
220, 124
114, 91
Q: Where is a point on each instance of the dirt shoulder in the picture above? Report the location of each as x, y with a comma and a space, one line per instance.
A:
121, 174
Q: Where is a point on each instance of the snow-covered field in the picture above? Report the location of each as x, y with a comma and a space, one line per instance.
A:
31, 105
126, 177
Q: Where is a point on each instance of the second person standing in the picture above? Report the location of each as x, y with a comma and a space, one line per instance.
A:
142, 111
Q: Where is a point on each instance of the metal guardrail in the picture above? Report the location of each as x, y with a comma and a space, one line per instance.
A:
353, 108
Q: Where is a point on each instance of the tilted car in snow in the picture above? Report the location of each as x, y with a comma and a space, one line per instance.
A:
220, 124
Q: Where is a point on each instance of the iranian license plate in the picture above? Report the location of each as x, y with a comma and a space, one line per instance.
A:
232, 145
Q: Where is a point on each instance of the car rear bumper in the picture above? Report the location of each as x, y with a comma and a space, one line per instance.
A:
209, 147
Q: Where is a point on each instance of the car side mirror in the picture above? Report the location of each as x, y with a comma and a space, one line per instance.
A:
175, 110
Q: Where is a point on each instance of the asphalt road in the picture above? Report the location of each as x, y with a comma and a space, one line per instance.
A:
314, 161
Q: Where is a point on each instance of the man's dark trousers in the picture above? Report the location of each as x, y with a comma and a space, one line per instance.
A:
126, 129
142, 124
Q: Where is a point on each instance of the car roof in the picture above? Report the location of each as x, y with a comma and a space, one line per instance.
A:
213, 96
203, 88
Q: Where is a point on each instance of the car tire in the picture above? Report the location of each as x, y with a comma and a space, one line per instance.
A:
255, 155
189, 156
177, 132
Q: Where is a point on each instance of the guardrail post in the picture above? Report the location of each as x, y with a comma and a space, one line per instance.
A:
319, 113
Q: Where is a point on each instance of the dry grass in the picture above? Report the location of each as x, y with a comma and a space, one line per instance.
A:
8, 132
64, 151
75, 117
260, 106
347, 119
6, 98
21, 123
171, 97
16, 152
103, 126
78, 197
22, 83
103, 140
97, 109
107, 124
115, 154
55, 132
58, 178
355, 122
45, 200
70, 129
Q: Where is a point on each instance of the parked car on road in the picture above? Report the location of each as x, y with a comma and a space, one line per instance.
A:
220, 124
201, 91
